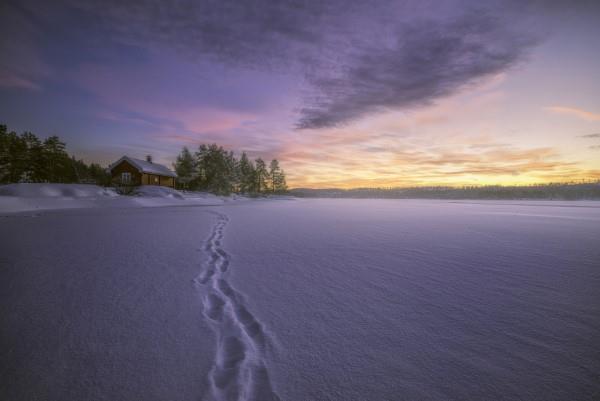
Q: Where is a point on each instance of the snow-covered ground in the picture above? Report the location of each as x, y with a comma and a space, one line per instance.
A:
302, 300
34, 197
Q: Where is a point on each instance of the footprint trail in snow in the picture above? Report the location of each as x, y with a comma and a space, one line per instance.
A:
239, 371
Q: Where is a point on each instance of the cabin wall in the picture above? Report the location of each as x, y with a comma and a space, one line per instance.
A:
125, 167
167, 181
138, 178
152, 179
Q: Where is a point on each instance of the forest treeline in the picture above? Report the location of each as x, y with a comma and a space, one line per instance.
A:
214, 169
558, 191
26, 158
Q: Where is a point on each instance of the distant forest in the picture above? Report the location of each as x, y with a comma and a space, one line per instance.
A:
26, 158
214, 169
561, 191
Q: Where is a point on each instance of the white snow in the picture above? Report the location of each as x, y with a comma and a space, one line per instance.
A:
56, 190
331, 299
26, 197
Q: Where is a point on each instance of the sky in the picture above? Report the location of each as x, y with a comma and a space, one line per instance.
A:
343, 93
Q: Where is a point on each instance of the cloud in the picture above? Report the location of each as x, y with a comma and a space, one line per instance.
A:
353, 57
21, 67
381, 161
427, 60
9, 80
595, 147
590, 136
575, 112
230, 31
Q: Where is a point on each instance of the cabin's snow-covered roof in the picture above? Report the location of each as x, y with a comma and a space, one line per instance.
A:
145, 166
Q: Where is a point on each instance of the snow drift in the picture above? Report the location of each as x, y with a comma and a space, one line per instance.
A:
28, 197
56, 191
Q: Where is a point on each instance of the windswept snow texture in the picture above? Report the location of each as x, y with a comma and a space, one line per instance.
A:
303, 300
424, 300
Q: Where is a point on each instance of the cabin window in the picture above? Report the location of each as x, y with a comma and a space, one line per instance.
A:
125, 178
156, 179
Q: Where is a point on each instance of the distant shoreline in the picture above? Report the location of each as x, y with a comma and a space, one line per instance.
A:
584, 191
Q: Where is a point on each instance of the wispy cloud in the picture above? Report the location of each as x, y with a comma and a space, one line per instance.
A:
8, 80
357, 57
590, 136
575, 112
383, 161
21, 64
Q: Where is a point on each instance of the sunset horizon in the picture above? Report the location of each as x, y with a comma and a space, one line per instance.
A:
471, 94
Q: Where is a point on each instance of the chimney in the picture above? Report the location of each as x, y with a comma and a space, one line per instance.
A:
149, 158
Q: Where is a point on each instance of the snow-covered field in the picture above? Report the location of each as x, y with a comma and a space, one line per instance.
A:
301, 300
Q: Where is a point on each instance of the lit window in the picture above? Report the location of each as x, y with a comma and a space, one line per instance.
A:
125, 178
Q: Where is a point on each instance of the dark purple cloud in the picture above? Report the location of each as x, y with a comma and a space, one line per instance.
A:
355, 57
427, 60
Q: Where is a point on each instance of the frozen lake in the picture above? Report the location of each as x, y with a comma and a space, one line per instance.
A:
303, 300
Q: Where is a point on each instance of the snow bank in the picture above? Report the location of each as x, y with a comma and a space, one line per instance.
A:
27, 197
154, 191
56, 191
152, 196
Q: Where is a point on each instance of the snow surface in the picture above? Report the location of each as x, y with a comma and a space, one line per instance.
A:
331, 299
16, 198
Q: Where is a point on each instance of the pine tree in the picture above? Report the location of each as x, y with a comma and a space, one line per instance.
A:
281, 184
34, 169
5, 161
55, 159
277, 177
15, 156
274, 171
215, 167
24, 158
247, 175
185, 167
261, 174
